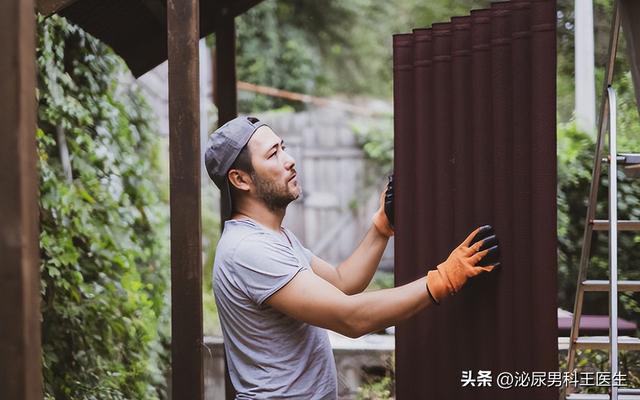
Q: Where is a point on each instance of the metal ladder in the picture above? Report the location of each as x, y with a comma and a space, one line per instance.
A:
631, 163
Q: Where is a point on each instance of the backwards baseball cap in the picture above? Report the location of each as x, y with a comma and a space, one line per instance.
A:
223, 147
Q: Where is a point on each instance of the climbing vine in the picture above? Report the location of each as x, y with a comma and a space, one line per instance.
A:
103, 242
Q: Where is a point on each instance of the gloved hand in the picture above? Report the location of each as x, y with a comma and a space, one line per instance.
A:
388, 202
383, 218
490, 242
462, 264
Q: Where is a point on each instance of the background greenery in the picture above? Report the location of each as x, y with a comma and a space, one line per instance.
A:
330, 47
103, 248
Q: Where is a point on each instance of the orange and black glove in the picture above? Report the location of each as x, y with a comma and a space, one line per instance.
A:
489, 242
464, 262
383, 219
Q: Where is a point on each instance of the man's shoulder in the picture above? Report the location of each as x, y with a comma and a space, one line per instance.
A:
237, 242
240, 235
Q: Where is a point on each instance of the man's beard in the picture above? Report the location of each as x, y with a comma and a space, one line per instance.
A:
276, 196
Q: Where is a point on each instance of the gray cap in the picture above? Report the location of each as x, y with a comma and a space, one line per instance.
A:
223, 147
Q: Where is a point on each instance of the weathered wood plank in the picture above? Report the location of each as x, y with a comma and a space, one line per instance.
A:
241, 7
225, 97
48, 7
225, 89
184, 148
20, 348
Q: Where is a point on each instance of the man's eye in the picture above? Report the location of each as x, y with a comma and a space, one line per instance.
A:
272, 154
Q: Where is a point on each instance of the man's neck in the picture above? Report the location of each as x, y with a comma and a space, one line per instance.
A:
260, 213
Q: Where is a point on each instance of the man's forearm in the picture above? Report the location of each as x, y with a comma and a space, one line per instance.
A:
358, 269
372, 311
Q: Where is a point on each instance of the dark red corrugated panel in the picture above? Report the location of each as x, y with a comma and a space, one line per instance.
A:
475, 143
543, 170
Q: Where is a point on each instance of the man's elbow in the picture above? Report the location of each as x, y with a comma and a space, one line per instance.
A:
351, 290
348, 286
351, 332
353, 325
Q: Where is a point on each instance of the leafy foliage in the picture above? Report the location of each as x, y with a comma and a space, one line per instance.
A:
592, 360
376, 140
380, 389
328, 47
575, 163
104, 260
273, 54
628, 123
210, 236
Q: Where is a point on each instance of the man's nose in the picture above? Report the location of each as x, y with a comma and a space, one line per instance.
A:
289, 161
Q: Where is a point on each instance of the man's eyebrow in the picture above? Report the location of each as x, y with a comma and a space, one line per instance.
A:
275, 145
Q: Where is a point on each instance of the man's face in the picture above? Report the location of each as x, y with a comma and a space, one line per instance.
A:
275, 179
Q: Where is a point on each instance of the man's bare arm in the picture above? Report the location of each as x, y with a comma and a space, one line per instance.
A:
312, 299
354, 274
309, 298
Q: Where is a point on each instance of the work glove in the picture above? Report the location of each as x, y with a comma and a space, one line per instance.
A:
462, 264
490, 242
383, 218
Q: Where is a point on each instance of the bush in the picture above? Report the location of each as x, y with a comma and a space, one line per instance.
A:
104, 263
575, 163
377, 389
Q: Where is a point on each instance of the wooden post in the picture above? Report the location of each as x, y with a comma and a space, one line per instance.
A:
48, 7
186, 245
20, 348
225, 97
225, 86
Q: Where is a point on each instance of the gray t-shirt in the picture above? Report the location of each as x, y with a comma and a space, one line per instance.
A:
270, 355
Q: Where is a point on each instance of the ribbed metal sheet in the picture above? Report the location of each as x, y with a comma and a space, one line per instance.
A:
474, 103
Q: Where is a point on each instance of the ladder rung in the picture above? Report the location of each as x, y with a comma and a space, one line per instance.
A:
603, 286
625, 159
629, 162
602, 342
623, 225
629, 159
593, 396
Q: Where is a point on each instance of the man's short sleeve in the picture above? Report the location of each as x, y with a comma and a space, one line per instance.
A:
263, 265
295, 242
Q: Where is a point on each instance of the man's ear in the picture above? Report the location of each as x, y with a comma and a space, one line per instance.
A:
239, 179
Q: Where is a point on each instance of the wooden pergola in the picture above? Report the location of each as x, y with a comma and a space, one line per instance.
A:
144, 33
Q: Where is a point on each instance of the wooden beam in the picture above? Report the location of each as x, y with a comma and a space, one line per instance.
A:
156, 8
48, 7
241, 7
186, 249
20, 348
225, 97
225, 89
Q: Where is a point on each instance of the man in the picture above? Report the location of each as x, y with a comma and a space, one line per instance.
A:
275, 298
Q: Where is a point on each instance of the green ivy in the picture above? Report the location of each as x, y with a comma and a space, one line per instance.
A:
376, 139
103, 241
274, 53
376, 389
